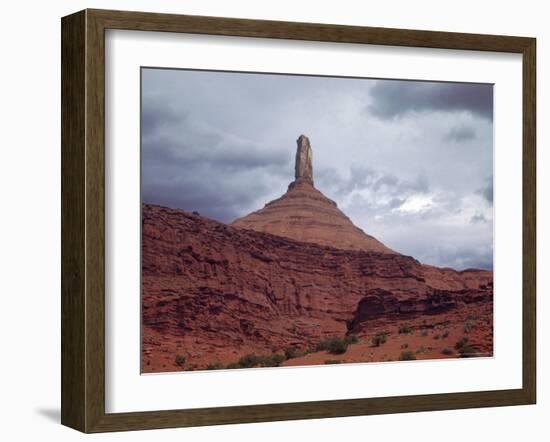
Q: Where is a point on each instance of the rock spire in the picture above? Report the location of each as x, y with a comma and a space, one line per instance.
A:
304, 214
303, 169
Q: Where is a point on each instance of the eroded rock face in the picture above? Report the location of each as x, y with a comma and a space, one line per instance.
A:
212, 292
380, 304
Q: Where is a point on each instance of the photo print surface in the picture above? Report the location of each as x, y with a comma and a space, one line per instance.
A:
294, 220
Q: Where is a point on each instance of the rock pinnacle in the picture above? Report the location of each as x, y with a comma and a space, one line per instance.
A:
304, 214
303, 168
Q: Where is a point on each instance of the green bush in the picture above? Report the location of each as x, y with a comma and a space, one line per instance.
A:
464, 349
445, 334
232, 366
215, 366
180, 360
467, 351
463, 341
333, 361
248, 361
251, 360
378, 340
335, 346
291, 352
278, 360
404, 329
271, 361
407, 356
338, 347
447, 351
352, 339
323, 345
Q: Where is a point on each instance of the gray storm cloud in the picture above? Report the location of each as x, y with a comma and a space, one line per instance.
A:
409, 162
396, 98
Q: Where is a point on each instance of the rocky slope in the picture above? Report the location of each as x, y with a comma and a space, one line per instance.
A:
212, 293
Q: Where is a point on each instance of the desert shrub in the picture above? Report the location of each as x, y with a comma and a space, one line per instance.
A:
262, 361
424, 333
378, 340
251, 360
322, 345
338, 347
215, 366
352, 339
335, 346
333, 361
463, 341
180, 360
291, 352
466, 351
468, 327
445, 334
407, 356
272, 361
278, 360
404, 329
436, 336
447, 351
248, 361
404, 345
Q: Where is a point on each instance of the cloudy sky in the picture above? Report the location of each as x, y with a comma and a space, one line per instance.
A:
409, 162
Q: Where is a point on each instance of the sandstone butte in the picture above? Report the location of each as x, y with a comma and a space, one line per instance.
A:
305, 214
283, 279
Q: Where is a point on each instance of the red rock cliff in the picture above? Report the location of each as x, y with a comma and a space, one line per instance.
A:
214, 292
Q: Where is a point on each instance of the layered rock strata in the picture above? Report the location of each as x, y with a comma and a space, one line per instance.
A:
213, 292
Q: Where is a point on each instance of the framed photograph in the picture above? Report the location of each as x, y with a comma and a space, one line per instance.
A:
267, 220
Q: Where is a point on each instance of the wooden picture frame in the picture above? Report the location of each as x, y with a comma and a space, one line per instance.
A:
83, 220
